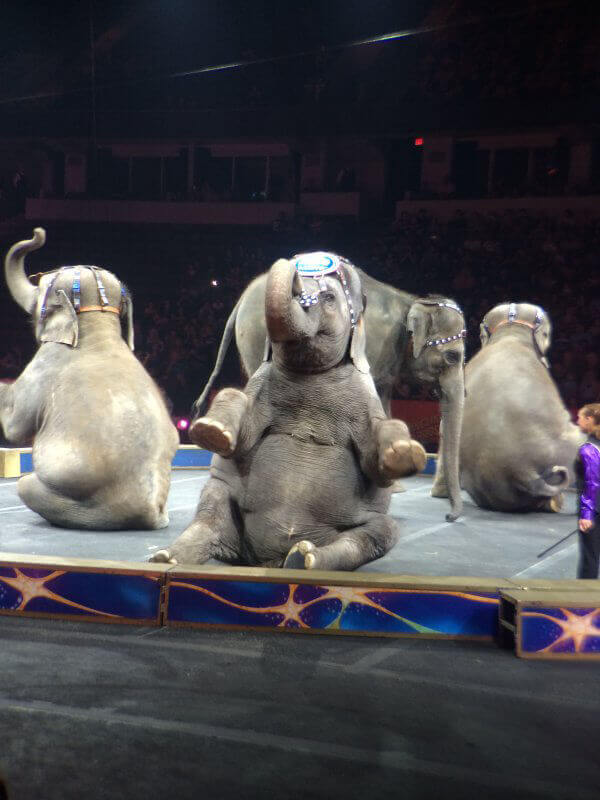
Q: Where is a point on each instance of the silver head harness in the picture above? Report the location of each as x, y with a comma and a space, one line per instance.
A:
442, 304
512, 319
317, 265
76, 292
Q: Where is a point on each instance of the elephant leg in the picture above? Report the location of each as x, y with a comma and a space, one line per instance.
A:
88, 514
214, 532
439, 488
353, 548
218, 431
399, 455
553, 504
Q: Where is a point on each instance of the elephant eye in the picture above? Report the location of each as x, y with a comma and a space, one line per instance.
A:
452, 356
328, 297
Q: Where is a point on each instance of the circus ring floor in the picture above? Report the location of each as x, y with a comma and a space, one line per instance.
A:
230, 711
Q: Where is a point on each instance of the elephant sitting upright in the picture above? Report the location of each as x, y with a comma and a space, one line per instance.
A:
518, 443
418, 340
103, 438
306, 453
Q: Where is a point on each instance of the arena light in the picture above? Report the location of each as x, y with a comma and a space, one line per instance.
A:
214, 283
418, 142
182, 424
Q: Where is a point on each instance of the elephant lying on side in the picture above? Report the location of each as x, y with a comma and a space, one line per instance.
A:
409, 339
518, 442
306, 452
103, 438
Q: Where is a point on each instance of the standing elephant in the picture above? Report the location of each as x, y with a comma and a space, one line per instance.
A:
518, 442
103, 438
306, 453
408, 338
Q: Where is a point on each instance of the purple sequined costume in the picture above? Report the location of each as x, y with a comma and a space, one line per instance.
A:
590, 461
587, 468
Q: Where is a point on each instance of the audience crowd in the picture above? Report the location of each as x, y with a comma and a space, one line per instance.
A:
185, 284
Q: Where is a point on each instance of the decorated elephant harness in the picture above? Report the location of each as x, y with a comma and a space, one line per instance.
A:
104, 304
512, 319
317, 265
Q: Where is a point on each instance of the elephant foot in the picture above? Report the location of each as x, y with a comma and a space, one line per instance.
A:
211, 435
403, 458
439, 490
398, 487
553, 504
452, 516
301, 556
162, 557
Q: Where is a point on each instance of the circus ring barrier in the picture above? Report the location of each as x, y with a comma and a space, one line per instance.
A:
539, 618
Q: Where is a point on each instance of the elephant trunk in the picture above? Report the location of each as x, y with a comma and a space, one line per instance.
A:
452, 385
23, 292
286, 319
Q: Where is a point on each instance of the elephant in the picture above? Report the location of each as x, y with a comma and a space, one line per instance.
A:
518, 443
305, 455
397, 324
103, 441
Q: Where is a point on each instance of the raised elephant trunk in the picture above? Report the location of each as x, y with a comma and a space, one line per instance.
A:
286, 319
19, 285
452, 385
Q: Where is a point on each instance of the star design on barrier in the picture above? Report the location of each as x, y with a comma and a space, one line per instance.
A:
576, 627
29, 588
291, 609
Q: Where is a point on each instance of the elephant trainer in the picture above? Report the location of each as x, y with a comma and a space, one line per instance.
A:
305, 454
103, 440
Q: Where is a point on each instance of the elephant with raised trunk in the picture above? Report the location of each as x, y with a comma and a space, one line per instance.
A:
518, 442
305, 454
409, 339
103, 440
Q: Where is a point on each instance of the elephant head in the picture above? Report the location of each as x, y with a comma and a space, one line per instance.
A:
55, 299
525, 315
438, 333
314, 308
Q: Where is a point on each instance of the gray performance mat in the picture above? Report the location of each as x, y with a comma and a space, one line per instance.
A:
482, 543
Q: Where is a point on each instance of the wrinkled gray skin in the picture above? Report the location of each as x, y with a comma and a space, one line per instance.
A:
306, 453
103, 438
398, 325
518, 442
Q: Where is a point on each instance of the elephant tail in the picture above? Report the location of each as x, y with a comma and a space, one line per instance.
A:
198, 407
551, 482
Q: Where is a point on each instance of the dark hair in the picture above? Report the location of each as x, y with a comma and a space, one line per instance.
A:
592, 410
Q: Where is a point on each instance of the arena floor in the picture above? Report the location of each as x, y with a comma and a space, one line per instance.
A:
481, 543
125, 712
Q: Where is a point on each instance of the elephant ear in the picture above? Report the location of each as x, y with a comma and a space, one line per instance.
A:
358, 345
418, 323
60, 322
127, 314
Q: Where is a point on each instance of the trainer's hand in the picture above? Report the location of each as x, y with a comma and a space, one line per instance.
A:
585, 525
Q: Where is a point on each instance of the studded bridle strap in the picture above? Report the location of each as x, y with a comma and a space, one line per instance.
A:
453, 307
446, 339
76, 289
440, 304
44, 308
100, 285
